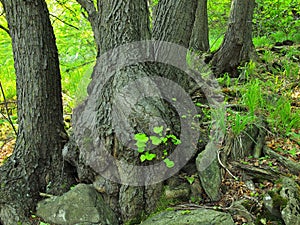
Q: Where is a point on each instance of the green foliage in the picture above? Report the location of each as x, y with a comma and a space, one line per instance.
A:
190, 179
282, 117
240, 122
218, 14
142, 140
252, 97
278, 19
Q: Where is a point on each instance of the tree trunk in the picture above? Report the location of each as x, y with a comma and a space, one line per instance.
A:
36, 164
118, 106
199, 40
237, 46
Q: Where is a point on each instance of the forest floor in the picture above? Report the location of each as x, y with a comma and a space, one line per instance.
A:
278, 68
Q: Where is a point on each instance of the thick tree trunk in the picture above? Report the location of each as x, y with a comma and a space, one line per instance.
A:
168, 28
237, 46
125, 22
199, 40
36, 164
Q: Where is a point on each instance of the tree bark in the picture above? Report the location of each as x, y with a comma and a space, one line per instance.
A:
126, 22
36, 164
237, 46
199, 40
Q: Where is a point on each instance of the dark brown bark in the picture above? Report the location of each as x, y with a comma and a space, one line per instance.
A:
36, 164
199, 40
237, 46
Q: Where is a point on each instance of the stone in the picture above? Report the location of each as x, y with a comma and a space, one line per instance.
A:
82, 205
209, 171
269, 204
291, 191
181, 192
195, 217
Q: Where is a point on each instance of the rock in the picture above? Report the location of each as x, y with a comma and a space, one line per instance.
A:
239, 210
290, 191
82, 205
195, 217
180, 192
209, 171
196, 190
269, 204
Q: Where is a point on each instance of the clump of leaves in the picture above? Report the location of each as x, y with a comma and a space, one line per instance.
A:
142, 140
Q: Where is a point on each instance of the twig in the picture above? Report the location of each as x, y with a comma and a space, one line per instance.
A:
46, 195
8, 102
5, 29
6, 109
220, 162
70, 25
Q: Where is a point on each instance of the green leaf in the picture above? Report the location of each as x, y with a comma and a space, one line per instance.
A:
174, 139
164, 140
143, 158
169, 163
155, 140
190, 179
185, 212
147, 156
158, 130
150, 156
141, 137
140, 144
141, 150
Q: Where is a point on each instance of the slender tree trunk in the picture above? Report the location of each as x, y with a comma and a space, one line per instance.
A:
36, 164
237, 46
199, 40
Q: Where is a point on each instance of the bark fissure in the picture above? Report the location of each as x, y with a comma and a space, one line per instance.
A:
36, 163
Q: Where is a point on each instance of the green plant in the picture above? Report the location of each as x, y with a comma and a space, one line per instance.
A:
190, 179
252, 97
249, 69
225, 80
273, 17
185, 212
240, 122
282, 118
142, 140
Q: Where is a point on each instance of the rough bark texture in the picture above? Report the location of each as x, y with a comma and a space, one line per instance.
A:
36, 164
168, 28
125, 22
199, 40
237, 46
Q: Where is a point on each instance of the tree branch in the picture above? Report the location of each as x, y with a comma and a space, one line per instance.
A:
70, 25
88, 6
5, 29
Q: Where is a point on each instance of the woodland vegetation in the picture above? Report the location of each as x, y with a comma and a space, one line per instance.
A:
237, 63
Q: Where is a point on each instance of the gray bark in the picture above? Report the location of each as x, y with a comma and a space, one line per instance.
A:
237, 46
199, 40
122, 22
36, 164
